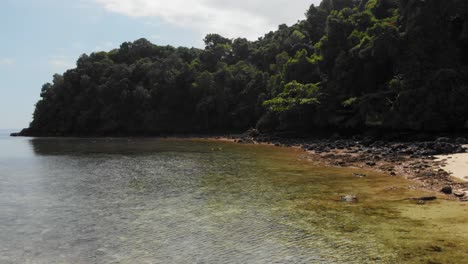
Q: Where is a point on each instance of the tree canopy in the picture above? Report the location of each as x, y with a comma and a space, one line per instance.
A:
350, 64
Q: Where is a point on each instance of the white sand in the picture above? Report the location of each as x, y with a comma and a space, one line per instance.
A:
456, 164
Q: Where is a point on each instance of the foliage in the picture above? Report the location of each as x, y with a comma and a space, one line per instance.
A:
394, 64
295, 95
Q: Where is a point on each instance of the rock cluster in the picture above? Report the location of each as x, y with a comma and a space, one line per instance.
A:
414, 159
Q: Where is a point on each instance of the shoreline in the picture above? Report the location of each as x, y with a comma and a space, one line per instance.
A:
417, 161
455, 164
429, 163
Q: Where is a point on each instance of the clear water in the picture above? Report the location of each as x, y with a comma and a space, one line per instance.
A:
198, 201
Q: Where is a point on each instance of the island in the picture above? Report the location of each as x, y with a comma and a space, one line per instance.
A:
373, 83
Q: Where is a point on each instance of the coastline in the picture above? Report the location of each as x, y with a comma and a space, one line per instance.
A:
434, 164
455, 164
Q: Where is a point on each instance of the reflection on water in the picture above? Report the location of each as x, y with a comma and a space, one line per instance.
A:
183, 201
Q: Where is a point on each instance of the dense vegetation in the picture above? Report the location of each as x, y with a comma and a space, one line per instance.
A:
350, 65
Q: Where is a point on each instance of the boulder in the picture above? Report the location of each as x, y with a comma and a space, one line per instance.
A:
447, 190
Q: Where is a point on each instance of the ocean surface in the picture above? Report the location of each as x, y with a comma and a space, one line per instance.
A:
147, 200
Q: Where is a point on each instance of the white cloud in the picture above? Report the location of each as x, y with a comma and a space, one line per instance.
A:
7, 61
60, 64
240, 18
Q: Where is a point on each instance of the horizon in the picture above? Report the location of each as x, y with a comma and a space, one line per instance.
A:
48, 37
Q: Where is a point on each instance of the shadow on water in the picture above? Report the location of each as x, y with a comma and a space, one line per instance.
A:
116, 146
178, 201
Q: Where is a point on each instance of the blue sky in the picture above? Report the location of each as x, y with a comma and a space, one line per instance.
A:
43, 37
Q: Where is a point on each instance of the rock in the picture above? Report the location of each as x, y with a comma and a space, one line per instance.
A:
252, 132
349, 198
428, 174
435, 249
392, 173
367, 141
443, 140
461, 140
459, 194
359, 175
447, 190
371, 163
425, 198
335, 137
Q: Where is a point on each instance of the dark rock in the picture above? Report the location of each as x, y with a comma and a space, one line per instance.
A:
443, 140
371, 163
435, 249
425, 198
378, 144
428, 174
252, 132
461, 140
367, 141
459, 193
26, 132
335, 137
447, 190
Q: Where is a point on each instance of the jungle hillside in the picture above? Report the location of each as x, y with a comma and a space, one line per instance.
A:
348, 65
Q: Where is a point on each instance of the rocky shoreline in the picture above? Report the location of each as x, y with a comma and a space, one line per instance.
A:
410, 157
414, 160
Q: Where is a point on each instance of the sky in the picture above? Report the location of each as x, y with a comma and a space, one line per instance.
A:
44, 37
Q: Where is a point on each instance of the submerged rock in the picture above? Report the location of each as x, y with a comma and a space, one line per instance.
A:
359, 175
349, 198
435, 248
424, 198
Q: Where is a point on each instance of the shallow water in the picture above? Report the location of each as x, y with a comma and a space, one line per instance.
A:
198, 201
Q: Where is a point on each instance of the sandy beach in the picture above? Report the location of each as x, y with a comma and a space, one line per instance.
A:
456, 164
